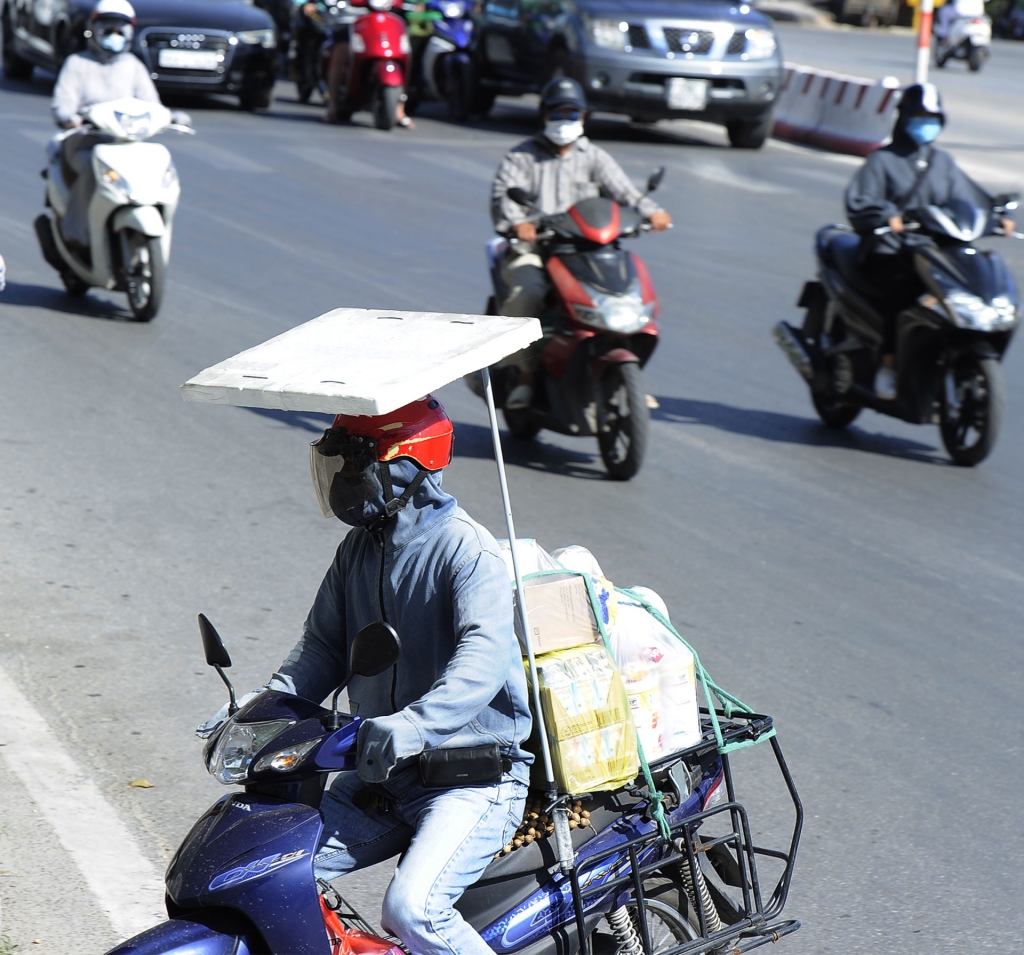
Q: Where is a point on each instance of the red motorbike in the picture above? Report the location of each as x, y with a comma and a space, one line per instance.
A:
378, 64
600, 322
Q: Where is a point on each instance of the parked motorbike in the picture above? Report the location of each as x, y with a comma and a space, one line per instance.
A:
444, 55
242, 882
131, 212
968, 38
378, 64
601, 330
949, 343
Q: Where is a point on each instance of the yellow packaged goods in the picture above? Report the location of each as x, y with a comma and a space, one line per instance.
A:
560, 613
589, 726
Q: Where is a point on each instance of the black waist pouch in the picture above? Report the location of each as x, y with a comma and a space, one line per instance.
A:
472, 766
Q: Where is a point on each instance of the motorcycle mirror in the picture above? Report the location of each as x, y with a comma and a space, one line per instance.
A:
375, 648
217, 657
655, 179
520, 196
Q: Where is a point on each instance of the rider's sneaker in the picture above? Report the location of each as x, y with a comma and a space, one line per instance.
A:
519, 399
885, 384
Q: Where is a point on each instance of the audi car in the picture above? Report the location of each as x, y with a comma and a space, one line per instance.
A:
650, 59
193, 46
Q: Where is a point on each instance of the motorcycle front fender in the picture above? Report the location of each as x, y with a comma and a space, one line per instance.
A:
215, 933
144, 219
388, 73
616, 356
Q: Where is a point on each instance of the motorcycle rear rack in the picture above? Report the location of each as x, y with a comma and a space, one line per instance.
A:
758, 923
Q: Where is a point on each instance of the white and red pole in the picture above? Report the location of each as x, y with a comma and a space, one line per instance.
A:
924, 40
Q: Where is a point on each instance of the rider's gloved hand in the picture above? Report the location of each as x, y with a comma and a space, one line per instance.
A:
660, 221
378, 746
215, 722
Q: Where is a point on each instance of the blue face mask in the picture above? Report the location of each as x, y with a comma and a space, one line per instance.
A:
923, 129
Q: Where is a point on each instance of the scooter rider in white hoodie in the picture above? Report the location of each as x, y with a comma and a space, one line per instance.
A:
106, 71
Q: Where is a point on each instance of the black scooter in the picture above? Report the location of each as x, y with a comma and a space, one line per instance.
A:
949, 343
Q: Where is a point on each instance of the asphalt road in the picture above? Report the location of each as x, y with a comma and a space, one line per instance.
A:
856, 586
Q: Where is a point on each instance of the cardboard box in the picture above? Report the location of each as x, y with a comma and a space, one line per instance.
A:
560, 614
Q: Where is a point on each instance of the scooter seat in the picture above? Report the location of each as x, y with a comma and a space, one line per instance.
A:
842, 249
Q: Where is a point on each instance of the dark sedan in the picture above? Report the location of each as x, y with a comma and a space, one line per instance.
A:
194, 46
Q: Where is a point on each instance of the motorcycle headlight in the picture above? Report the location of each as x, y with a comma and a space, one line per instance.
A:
170, 179
113, 180
357, 43
238, 743
404, 45
970, 311
611, 34
289, 757
624, 314
264, 38
761, 44
451, 11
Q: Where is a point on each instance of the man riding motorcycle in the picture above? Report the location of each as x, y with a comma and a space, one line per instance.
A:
107, 70
908, 173
417, 561
559, 167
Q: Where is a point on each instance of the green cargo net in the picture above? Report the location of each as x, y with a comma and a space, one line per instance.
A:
731, 705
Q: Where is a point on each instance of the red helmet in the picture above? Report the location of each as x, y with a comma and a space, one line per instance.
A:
420, 431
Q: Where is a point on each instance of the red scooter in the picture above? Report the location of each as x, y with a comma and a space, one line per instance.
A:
378, 64
601, 328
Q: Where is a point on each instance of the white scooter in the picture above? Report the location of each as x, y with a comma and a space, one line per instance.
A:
967, 38
130, 212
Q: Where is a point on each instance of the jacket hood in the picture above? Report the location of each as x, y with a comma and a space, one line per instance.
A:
429, 503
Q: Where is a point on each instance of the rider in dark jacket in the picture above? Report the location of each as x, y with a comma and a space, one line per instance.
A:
909, 173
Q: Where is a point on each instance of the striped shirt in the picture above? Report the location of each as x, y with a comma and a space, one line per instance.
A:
559, 182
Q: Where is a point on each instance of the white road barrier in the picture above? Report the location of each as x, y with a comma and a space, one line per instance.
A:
844, 114
124, 882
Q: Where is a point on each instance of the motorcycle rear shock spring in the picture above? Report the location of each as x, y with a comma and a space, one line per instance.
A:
626, 938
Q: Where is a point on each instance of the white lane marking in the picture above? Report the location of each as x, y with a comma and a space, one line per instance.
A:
39, 136
15, 226
337, 162
125, 883
471, 168
716, 171
220, 158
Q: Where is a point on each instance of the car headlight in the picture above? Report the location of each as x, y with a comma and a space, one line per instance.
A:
289, 757
611, 34
761, 44
170, 179
113, 180
616, 313
357, 43
264, 38
233, 750
970, 311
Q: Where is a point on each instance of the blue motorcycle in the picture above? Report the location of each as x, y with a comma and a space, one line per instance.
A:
242, 881
441, 32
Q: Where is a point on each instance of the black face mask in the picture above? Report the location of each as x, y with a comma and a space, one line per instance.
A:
356, 499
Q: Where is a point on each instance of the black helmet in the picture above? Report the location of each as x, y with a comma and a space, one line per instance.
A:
563, 91
921, 99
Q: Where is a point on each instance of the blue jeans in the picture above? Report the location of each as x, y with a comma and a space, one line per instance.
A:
448, 836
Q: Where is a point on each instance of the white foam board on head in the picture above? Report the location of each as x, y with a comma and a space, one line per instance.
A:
361, 361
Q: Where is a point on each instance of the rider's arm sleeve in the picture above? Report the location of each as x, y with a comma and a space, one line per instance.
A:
319, 661
615, 184
67, 94
868, 205
515, 170
486, 654
144, 88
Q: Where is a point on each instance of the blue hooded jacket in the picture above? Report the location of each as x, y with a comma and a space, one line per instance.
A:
438, 578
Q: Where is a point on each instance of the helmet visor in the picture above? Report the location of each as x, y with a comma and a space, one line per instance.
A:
338, 455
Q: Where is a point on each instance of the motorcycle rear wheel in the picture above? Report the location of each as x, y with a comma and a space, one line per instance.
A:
520, 424
981, 392
145, 273
975, 58
628, 420
73, 285
385, 106
834, 412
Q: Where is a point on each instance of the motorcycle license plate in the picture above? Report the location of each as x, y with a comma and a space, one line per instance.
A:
682, 93
189, 59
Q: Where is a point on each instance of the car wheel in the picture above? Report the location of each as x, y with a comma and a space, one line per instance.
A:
749, 133
256, 99
15, 67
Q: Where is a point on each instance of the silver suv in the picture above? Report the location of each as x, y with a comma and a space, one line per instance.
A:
650, 59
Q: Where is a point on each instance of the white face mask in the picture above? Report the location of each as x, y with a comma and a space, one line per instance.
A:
562, 132
114, 42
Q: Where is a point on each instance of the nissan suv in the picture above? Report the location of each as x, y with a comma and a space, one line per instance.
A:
650, 59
